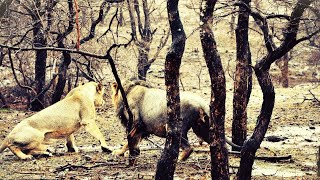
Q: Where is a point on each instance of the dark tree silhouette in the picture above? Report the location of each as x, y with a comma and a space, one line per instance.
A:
167, 163
66, 57
219, 153
261, 69
39, 40
4, 5
241, 80
143, 35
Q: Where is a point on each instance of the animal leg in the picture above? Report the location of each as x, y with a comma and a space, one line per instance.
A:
18, 152
41, 150
136, 139
120, 152
93, 129
71, 144
185, 146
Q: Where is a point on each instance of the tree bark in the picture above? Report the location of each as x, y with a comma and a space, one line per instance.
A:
62, 77
239, 123
39, 40
4, 6
144, 29
283, 64
167, 163
219, 153
66, 57
261, 69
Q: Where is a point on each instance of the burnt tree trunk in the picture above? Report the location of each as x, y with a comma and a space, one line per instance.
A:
39, 40
66, 57
261, 69
4, 6
62, 77
283, 65
239, 123
144, 30
167, 163
1, 56
143, 58
219, 153
4, 102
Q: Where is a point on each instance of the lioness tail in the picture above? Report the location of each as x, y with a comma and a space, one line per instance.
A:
3, 145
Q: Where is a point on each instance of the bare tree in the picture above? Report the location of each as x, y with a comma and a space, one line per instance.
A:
167, 163
219, 153
66, 57
4, 7
262, 72
241, 80
39, 40
143, 35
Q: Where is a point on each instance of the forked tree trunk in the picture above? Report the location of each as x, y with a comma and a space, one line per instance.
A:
167, 163
66, 57
219, 153
262, 69
62, 77
143, 59
239, 123
144, 30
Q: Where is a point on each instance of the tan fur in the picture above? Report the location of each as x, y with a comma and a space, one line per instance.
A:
31, 136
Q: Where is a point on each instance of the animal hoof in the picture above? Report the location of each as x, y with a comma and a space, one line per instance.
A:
106, 150
185, 154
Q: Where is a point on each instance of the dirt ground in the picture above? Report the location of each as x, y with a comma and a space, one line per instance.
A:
296, 118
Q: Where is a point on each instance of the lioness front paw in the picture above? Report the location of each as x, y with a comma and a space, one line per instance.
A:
106, 150
118, 152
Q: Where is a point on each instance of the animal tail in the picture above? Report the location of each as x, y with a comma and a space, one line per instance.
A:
229, 141
3, 145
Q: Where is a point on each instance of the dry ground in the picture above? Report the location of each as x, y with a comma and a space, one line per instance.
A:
296, 117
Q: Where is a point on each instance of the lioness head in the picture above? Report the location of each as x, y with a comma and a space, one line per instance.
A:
92, 90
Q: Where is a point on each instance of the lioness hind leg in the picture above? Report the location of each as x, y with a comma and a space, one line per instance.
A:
71, 144
18, 152
39, 151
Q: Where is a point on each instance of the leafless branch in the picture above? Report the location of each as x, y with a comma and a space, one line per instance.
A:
15, 75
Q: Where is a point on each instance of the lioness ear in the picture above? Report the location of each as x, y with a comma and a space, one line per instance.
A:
99, 88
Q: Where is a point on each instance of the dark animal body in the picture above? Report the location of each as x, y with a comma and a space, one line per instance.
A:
149, 106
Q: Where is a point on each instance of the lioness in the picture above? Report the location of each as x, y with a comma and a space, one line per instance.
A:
150, 105
60, 120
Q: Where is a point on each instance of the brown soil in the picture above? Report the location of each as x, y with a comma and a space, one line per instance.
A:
296, 116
